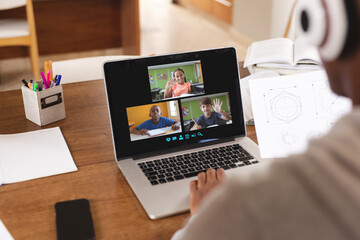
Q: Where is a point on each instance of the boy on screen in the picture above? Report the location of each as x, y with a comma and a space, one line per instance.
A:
209, 117
155, 122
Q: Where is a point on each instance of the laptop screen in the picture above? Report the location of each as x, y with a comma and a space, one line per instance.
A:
168, 101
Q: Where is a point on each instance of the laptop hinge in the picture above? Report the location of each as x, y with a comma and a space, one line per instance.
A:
182, 148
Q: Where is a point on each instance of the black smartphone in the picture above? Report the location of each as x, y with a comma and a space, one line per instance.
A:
73, 220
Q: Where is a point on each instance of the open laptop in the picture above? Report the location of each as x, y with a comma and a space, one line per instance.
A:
159, 163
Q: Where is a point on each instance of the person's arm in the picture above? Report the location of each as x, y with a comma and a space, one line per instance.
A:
168, 89
175, 125
225, 115
196, 127
199, 190
217, 108
140, 132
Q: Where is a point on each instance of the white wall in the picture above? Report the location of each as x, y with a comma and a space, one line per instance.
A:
280, 13
261, 19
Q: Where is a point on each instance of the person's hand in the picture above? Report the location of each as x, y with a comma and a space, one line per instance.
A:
217, 105
143, 132
200, 188
170, 83
175, 126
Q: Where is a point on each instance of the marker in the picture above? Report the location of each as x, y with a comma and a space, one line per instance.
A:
55, 78
58, 81
25, 83
36, 87
46, 86
48, 77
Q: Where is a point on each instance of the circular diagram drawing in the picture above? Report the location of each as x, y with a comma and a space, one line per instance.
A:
286, 107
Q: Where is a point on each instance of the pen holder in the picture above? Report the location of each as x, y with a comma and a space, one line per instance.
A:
44, 107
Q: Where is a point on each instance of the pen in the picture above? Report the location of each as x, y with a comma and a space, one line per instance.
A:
168, 132
46, 86
25, 83
58, 81
55, 78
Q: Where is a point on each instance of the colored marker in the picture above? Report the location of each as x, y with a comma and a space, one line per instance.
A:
58, 81
46, 86
36, 87
48, 77
25, 83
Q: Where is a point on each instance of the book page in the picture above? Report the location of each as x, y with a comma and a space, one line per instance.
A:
276, 50
291, 110
35, 154
305, 54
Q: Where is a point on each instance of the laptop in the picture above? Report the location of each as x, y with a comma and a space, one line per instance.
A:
159, 157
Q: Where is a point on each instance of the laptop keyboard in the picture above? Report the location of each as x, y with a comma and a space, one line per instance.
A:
188, 165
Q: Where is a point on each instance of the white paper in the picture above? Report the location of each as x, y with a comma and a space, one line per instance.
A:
4, 233
290, 110
156, 132
245, 91
36, 154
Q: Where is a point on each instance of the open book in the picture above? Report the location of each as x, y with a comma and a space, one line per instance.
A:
283, 55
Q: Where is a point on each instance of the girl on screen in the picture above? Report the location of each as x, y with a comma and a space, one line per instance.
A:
178, 85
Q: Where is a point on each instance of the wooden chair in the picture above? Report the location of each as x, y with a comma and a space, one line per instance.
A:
81, 69
20, 32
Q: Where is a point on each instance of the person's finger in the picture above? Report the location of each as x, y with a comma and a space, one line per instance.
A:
211, 175
220, 174
201, 179
193, 186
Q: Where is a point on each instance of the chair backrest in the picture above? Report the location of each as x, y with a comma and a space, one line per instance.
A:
9, 4
83, 69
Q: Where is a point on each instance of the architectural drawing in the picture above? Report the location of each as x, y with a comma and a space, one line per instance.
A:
283, 105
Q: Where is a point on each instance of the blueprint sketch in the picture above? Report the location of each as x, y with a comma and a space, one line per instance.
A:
291, 110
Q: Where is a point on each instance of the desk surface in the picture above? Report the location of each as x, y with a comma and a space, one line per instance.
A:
27, 208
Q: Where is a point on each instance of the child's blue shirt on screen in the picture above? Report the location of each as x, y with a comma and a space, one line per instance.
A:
149, 124
212, 120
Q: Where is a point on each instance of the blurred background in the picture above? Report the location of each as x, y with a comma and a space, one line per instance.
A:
68, 29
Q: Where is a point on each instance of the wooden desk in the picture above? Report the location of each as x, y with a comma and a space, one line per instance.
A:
27, 208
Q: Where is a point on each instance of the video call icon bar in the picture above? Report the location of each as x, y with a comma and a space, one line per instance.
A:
181, 137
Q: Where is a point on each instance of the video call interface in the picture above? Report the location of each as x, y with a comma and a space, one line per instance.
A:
177, 103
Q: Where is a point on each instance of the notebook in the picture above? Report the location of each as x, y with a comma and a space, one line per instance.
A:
164, 135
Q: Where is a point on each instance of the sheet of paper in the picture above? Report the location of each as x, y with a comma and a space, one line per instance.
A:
245, 91
36, 154
4, 233
157, 132
290, 110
